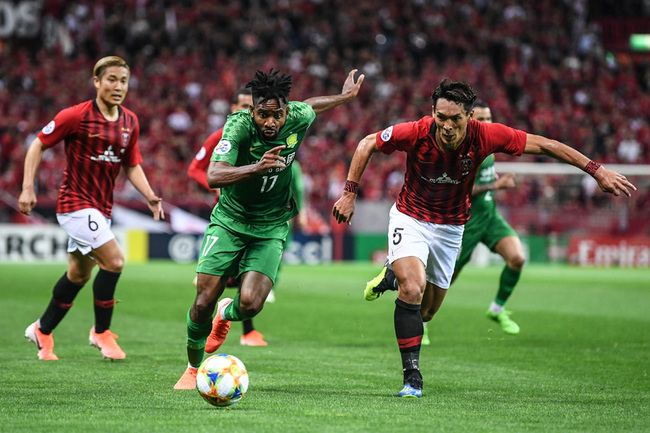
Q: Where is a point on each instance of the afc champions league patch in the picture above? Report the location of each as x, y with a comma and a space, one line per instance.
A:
47, 129
292, 140
222, 147
387, 133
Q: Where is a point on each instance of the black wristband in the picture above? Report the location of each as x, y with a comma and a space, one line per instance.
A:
591, 167
351, 186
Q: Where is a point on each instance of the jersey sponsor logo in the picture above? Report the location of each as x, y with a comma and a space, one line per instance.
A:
387, 133
107, 156
47, 129
292, 140
222, 147
442, 179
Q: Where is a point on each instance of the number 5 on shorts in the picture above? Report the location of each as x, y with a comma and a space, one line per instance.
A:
397, 235
209, 243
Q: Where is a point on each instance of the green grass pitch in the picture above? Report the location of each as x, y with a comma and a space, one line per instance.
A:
580, 364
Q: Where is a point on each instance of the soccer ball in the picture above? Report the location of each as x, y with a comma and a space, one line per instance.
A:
222, 380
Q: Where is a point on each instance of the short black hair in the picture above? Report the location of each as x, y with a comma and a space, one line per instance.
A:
455, 91
479, 103
270, 85
235, 97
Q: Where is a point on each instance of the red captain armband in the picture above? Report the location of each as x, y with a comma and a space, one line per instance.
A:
591, 167
351, 186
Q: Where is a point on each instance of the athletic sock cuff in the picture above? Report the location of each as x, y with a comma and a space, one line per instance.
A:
232, 311
410, 307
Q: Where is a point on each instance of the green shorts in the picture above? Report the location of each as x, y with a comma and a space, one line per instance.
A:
231, 248
488, 229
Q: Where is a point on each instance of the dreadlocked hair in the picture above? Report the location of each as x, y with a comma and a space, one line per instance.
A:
270, 86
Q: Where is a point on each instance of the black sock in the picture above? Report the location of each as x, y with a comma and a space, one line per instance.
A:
408, 330
248, 326
391, 279
413, 377
104, 292
62, 296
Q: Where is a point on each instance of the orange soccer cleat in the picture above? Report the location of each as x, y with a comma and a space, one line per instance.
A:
188, 379
253, 338
220, 328
106, 343
45, 343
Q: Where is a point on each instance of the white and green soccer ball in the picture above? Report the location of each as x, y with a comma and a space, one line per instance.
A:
222, 380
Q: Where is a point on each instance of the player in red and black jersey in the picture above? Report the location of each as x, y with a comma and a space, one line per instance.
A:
101, 138
444, 152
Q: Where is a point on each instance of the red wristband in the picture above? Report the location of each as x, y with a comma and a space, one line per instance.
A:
351, 186
591, 167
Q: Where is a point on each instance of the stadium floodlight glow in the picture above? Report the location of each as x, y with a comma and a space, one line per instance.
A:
640, 42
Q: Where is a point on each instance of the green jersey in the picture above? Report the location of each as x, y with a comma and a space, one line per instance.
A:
265, 198
484, 203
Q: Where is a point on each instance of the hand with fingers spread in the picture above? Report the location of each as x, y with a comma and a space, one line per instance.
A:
613, 182
350, 87
350, 90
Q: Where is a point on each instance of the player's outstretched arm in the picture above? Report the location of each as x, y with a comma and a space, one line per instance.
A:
320, 104
27, 199
136, 176
608, 180
344, 208
505, 181
222, 174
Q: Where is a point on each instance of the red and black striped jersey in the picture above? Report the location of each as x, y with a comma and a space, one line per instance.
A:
201, 161
95, 150
438, 184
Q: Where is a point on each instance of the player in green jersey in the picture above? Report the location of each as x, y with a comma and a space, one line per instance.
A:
250, 223
485, 225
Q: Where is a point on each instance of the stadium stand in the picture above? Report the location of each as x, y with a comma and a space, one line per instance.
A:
543, 66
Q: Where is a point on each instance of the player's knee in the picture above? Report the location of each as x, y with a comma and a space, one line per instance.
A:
203, 308
115, 264
80, 280
517, 262
411, 290
77, 277
427, 315
250, 308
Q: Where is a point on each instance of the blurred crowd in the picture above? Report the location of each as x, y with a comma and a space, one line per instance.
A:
541, 66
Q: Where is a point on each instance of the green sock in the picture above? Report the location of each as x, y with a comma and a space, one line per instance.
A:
507, 283
197, 334
232, 312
